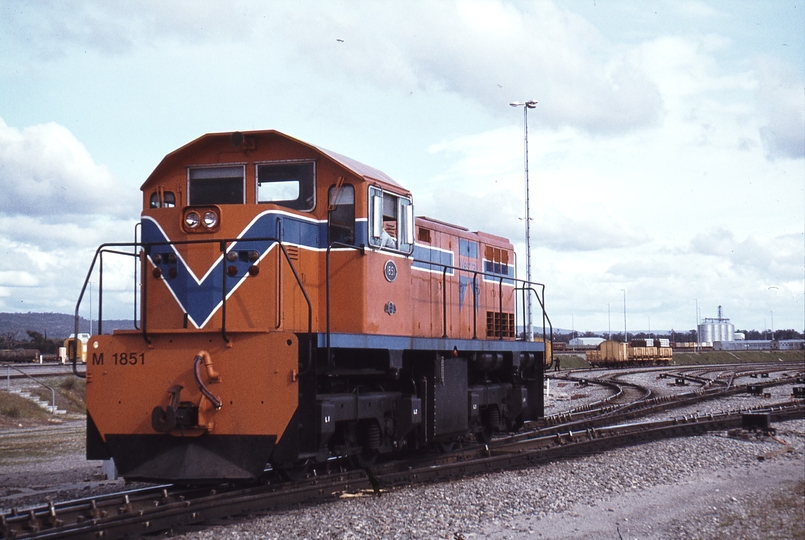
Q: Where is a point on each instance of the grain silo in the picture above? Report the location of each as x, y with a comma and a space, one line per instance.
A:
718, 329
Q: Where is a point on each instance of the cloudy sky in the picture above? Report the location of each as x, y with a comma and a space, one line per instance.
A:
667, 151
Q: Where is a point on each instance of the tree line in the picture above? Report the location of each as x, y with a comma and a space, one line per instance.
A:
678, 336
36, 340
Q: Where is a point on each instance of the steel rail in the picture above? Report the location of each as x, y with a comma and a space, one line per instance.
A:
120, 515
591, 418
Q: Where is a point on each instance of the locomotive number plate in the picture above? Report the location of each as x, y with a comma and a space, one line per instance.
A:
119, 359
390, 271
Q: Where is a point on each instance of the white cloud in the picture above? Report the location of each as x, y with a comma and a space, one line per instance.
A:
20, 278
45, 171
774, 259
780, 97
666, 149
53, 27
58, 205
488, 51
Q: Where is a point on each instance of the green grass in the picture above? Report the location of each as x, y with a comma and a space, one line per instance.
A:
70, 392
572, 361
732, 357
577, 361
16, 410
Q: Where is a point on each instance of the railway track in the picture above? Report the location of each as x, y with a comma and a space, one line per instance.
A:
608, 424
634, 400
163, 507
22, 371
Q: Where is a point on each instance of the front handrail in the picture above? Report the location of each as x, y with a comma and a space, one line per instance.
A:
147, 246
146, 249
9, 367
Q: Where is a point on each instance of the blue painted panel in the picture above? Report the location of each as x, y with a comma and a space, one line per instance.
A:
402, 343
426, 253
468, 248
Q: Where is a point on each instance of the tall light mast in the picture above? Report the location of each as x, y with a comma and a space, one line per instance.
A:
529, 327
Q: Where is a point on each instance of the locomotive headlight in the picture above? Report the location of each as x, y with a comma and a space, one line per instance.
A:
191, 220
210, 219
201, 219
232, 256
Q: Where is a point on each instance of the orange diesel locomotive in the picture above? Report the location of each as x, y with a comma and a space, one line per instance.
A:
292, 309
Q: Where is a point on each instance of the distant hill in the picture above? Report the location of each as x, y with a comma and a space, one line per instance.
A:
56, 326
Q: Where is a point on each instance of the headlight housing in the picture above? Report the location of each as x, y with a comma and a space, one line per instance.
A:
201, 219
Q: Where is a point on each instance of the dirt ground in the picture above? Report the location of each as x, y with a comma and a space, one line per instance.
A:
727, 504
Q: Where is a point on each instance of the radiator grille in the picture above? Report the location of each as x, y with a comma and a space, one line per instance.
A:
499, 324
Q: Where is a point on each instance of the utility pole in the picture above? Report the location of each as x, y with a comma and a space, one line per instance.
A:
625, 332
528, 322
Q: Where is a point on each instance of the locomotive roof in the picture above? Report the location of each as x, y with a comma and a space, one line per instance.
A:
360, 169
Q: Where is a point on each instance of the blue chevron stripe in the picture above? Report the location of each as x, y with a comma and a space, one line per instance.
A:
201, 297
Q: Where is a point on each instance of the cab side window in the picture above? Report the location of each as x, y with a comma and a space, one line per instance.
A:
391, 221
341, 213
162, 199
288, 184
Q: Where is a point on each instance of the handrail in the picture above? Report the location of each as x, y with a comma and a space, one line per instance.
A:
146, 248
223, 291
545, 317
9, 367
98, 257
501, 278
137, 231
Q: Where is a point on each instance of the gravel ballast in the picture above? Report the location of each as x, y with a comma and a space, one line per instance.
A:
711, 486
704, 487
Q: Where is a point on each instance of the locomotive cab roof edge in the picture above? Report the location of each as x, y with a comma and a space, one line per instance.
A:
366, 172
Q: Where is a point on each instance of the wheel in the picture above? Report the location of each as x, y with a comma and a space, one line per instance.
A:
491, 421
296, 472
445, 447
370, 438
516, 424
365, 459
